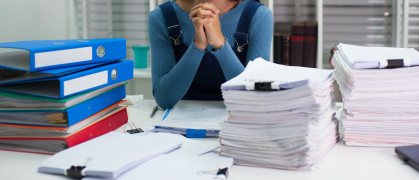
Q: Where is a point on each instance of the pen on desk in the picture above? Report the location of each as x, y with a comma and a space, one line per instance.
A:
154, 111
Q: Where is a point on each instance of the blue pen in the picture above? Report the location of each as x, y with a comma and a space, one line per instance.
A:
166, 114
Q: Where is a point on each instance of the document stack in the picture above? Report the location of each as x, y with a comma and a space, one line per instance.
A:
55, 94
279, 116
380, 95
125, 156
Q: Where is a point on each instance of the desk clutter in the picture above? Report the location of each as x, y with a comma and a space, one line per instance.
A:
138, 156
55, 94
380, 96
279, 116
275, 116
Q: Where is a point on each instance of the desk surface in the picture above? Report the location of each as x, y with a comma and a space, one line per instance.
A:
342, 162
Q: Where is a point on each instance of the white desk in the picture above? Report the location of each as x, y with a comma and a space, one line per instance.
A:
342, 162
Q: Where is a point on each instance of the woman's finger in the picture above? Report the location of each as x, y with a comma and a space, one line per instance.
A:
196, 7
201, 13
210, 7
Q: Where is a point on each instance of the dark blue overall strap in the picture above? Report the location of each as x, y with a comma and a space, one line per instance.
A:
173, 29
241, 37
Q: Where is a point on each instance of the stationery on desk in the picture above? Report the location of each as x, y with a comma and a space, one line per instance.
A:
279, 116
143, 155
50, 140
60, 93
62, 117
379, 93
197, 122
13, 101
153, 112
52, 54
74, 83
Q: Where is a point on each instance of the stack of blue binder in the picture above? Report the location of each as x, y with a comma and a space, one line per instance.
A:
55, 93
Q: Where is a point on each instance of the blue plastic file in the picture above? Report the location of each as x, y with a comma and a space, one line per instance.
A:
195, 133
75, 83
77, 112
50, 54
21, 76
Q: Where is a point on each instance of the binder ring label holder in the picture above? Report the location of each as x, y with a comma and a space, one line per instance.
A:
100, 51
114, 74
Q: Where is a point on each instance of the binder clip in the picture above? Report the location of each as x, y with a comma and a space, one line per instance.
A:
223, 171
221, 174
395, 63
134, 130
75, 172
263, 86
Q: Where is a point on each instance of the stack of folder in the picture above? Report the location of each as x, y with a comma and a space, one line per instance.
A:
279, 116
379, 93
55, 94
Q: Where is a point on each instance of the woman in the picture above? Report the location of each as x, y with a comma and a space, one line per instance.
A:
198, 45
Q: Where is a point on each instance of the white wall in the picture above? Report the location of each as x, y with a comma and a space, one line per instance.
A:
36, 19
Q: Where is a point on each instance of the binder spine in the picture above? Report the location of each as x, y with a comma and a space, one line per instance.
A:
67, 56
94, 105
108, 124
105, 76
85, 82
85, 52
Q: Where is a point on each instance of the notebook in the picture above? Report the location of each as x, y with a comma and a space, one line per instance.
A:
409, 154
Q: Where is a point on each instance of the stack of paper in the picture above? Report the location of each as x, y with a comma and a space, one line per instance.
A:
279, 116
139, 156
380, 98
55, 94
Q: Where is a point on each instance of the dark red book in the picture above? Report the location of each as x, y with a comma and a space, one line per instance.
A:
297, 44
51, 145
310, 44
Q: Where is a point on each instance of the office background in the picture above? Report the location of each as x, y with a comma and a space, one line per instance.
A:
360, 22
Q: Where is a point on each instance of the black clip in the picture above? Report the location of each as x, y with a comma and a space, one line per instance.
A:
263, 86
395, 63
74, 172
223, 171
134, 129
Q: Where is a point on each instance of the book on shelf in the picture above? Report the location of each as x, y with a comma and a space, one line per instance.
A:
297, 44
286, 40
302, 45
277, 48
310, 44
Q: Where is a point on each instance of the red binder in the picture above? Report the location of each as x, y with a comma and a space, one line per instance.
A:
50, 145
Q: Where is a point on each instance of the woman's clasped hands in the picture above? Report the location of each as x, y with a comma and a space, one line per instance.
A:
207, 26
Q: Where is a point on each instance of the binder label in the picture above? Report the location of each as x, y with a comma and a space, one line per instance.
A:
85, 82
67, 56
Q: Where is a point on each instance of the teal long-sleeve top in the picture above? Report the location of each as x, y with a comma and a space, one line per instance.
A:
171, 80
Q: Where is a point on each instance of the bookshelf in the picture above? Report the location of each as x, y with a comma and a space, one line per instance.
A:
360, 22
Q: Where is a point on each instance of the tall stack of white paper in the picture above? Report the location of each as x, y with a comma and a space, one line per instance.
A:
380, 104
291, 126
